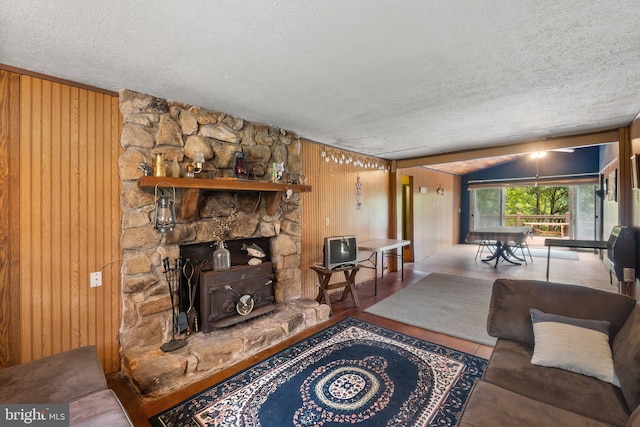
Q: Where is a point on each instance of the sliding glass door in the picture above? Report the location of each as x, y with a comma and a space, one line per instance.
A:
487, 207
584, 204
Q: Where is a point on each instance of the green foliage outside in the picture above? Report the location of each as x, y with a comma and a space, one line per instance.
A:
537, 200
530, 201
488, 207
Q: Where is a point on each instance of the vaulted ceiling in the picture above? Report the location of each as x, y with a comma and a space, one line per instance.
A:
393, 79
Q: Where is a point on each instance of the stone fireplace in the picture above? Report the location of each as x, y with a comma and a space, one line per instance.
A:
183, 133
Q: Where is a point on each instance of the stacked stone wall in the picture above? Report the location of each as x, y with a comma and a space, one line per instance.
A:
153, 125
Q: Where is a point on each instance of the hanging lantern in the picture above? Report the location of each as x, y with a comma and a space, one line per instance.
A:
165, 218
240, 169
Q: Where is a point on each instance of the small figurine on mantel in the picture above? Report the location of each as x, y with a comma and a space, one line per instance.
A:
146, 168
255, 252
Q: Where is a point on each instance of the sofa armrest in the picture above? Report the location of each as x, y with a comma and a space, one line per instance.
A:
511, 301
59, 378
101, 408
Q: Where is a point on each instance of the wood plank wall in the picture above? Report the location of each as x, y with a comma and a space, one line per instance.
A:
333, 198
436, 218
9, 219
634, 139
69, 224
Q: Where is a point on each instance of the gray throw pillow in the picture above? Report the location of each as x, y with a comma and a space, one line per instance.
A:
576, 345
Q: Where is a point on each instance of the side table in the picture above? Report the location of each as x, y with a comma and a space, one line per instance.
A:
324, 276
383, 246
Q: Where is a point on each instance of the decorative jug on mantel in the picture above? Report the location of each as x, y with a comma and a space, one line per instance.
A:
158, 169
221, 258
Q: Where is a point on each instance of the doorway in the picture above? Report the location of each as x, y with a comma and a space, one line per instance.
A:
407, 216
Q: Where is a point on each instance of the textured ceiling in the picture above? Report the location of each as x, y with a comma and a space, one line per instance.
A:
394, 79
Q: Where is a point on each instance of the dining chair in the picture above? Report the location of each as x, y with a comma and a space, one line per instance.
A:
484, 244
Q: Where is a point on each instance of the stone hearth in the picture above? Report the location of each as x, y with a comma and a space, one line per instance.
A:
180, 132
155, 373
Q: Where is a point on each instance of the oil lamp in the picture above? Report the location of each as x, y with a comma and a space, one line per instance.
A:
240, 169
165, 219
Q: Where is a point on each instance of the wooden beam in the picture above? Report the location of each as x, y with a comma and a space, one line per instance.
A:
190, 201
53, 79
625, 194
524, 147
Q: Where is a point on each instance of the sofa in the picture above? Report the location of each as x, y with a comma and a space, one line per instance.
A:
74, 377
566, 355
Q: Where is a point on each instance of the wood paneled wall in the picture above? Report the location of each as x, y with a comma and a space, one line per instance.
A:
9, 219
330, 209
634, 138
436, 218
67, 190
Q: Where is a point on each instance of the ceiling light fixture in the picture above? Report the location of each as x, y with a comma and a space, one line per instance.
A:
538, 154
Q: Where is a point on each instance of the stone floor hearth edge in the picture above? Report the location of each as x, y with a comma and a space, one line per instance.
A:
154, 373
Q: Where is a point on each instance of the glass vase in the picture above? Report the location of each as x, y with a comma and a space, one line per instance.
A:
221, 258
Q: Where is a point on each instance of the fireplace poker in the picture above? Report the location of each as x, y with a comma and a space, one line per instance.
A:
192, 313
173, 344
188, 271
168, 275
183, 323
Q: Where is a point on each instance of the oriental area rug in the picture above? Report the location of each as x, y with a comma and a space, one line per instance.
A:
352, 373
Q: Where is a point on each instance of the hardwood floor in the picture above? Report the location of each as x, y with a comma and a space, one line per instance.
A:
458, 260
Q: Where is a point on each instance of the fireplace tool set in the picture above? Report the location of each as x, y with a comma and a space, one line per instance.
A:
192, 314
181, 321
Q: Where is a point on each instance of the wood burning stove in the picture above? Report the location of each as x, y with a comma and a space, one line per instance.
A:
233, 296
228, 297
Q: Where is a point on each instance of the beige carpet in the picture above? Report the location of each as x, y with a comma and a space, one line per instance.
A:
452, 305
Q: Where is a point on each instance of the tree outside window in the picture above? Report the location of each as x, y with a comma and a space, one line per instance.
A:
537, 200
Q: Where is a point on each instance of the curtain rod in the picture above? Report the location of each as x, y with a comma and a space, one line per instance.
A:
533, 178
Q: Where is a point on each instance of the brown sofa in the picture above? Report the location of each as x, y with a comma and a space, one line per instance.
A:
515, 392
73, 377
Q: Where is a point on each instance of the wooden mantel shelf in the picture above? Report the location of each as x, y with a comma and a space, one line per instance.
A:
272, 192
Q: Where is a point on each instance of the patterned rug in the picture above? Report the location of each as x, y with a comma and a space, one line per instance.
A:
350, 373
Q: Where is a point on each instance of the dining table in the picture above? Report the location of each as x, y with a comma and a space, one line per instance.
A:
501, 240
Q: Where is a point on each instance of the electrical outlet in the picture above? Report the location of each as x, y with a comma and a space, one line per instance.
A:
327, 221
96, 279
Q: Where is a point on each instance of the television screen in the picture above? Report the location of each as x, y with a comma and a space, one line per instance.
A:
340, 252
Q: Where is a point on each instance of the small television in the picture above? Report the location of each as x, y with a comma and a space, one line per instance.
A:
340, 252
